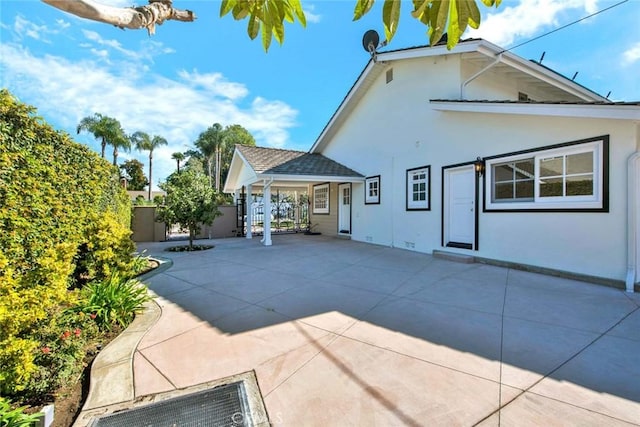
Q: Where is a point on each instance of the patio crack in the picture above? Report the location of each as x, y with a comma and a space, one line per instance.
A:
156, 369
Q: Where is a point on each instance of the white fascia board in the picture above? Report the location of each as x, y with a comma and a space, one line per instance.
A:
310, 178
427, 51
229, 185
599, 111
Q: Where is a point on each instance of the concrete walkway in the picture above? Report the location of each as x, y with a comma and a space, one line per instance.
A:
346, 333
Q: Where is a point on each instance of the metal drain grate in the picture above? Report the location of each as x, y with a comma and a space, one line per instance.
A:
221, 406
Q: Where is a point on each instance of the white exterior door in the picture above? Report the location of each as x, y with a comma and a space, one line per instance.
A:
460, 209
344, 209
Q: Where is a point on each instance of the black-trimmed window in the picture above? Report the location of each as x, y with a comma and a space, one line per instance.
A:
321, 199
419, 188
372, 190
571, 176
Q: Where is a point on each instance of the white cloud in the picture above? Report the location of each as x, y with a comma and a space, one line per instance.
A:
22, 27
631, 55
312, 17
63, 24
214, 83
113, 44
528, 18
65, 91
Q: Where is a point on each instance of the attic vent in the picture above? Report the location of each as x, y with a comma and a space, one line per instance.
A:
523, 97
389, 75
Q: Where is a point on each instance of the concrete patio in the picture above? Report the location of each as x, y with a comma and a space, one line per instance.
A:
346, 333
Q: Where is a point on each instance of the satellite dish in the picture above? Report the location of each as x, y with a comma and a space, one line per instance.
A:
370, 41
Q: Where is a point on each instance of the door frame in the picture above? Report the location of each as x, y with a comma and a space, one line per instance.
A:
445, 200
341, 207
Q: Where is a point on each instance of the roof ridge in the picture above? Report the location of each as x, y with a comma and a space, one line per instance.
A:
272, 148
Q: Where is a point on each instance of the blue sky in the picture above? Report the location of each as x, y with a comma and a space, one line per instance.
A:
191, 75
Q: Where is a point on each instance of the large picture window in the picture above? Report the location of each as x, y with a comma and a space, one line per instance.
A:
419, 188
571, 176
321, 199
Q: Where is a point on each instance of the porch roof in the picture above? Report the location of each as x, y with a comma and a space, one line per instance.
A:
252, 164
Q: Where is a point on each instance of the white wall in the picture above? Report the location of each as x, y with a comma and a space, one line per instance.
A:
394, 129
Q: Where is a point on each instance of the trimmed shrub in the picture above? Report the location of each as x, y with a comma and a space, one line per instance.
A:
56, 198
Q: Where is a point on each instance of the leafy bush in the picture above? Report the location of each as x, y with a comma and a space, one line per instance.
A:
108, 249
15, 417
64, 341
58, 203
114, 301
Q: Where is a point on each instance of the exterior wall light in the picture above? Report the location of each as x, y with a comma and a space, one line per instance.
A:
479, 166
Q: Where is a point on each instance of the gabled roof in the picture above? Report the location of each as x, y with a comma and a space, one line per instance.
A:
250, 165
274, 161
478, 51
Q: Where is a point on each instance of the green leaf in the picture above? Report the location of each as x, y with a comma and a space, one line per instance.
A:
297, 9
453, 29
419, 7
463, 14
474, 14
240, 11
253, 27
391, 17
226, 6
362, 8
438, 15
266, 35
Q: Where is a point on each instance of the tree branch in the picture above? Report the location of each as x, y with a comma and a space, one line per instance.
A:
148, 16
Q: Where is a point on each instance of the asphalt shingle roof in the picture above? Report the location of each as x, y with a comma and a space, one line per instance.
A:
291, 162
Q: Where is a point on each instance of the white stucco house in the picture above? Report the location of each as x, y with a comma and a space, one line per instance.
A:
474, 152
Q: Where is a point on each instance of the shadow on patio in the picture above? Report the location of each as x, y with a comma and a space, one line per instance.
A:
351, 333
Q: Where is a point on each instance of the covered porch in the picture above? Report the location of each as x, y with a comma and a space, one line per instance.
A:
270, 171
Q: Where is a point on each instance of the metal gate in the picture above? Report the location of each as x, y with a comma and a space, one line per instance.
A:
287, 214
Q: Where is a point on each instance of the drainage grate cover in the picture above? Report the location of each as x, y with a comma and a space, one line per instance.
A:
221, 406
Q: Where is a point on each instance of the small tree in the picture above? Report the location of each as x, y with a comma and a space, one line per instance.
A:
136, 181
190, 202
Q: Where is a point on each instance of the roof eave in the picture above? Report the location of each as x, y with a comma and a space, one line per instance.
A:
310, 178
481, 46
540, 72
595, 111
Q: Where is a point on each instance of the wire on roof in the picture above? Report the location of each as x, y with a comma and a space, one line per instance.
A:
565, 26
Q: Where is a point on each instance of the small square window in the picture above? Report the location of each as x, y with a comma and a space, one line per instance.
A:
372, 190
418, 188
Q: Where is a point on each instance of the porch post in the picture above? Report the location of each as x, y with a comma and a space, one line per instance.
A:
266, 197
248, 201
296, 212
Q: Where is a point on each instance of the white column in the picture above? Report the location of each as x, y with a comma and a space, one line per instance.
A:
266, 196
248, 201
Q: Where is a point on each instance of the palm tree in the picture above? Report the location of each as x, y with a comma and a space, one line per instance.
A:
178, 157
102, 127
119, 140
143, 141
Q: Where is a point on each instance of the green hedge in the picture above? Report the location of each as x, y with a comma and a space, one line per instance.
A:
63, 218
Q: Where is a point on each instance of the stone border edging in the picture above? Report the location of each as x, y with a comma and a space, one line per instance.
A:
111, 380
